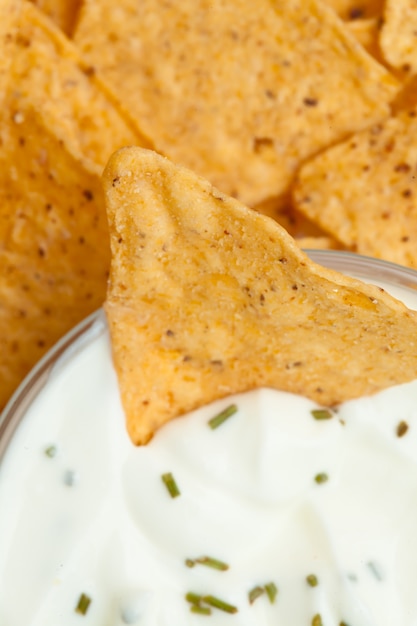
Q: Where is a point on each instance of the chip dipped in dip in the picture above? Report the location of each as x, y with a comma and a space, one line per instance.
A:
275, 511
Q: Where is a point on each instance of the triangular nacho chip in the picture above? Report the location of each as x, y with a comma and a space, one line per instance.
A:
58, 127
364, 190
239, 92
207, 298
54, 252
48, 71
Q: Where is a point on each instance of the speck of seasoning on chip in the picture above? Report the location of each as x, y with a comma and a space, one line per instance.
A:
88, 195
356, 13
402, 167
312, 580
310, 102
402, 428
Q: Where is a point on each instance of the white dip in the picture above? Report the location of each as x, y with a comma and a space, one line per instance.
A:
96, 518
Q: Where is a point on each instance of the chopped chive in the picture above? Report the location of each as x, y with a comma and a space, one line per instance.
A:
375, 570
214, 563
71, 478
51, 451
321, 478
193, 598
321, 414
316, 621
218, 420
255, 593
312, 580
271, 592
83, 604
219, 604
402, 429
201, 610
170, 484
189, 562
343, 624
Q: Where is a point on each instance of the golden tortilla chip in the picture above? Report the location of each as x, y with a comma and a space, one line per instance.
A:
63, 12
398, 37
356, 9
54, 250
48, 72
364, 190
207, 298
240, 94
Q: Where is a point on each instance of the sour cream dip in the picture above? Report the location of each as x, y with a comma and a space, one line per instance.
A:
277, 515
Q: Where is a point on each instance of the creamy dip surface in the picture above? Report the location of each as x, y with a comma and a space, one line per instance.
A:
285, 518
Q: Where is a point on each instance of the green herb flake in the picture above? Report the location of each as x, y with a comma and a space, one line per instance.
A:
83, 604
201, 610
321, 478
317, 621
343, 624
312, 580
402, 429
51, 451
189, 562
375, 570
170, 484
216, 603
255, 593
271, 592
321, 414
218, 420
208, 561
193, 598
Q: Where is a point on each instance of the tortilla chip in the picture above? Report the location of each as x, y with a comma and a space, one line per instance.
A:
398, 37
207, 298
179, 71
48, 72
54, 250
356, 9
365, 191
63, 12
